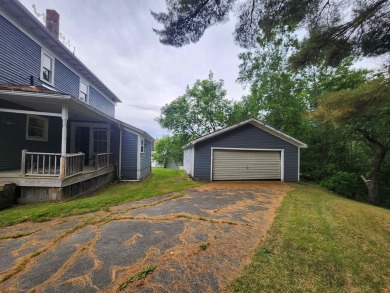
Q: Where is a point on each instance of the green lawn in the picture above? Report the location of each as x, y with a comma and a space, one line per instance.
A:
160, 182
321, 242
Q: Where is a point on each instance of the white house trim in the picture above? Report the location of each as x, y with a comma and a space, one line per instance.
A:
120, 153
88, 90
139, 157
92, 126
249, 149
64, 134
53, 60
299, 164
30, 112
193, 161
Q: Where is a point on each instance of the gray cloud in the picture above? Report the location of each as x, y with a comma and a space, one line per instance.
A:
115, 40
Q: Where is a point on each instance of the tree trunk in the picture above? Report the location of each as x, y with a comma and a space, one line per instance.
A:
373, 190
373, 185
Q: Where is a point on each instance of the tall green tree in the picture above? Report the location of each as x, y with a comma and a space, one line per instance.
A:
331, 149
278, 95
202, 109
365, 110
335, 29
168, 150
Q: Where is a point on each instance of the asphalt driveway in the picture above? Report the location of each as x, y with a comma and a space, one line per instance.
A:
196, 242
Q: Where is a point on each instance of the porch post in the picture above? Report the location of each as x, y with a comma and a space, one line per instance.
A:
64, 128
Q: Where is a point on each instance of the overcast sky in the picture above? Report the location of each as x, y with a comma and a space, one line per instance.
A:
115, 40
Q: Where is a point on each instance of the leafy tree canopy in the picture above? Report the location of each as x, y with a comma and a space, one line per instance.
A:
277, 94
202, 109
366, 111
168, 150
335, 29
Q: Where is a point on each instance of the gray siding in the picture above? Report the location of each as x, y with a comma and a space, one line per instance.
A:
129, 156
246, 136
66, 80
13, 138
20, 57
98, 101
146, 160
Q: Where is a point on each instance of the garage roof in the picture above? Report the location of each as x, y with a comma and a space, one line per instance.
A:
254, 122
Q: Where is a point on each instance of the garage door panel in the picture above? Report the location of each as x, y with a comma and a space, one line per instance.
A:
246, 165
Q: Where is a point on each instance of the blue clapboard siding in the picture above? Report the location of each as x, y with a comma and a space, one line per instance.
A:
13, 137
66, 80
146, 160
97, 100
246, 136
20, 57
129, 156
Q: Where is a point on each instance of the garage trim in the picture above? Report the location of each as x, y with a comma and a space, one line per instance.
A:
250, 149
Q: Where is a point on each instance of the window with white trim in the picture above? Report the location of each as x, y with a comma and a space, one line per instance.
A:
100, 140
142, 145
47, 68
83, 93
36, 128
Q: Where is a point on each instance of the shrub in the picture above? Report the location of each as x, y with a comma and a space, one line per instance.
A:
344, 183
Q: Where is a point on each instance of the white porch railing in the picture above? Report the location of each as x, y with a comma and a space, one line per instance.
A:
104, 160
51, 164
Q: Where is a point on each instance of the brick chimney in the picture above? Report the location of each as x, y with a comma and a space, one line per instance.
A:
53, 22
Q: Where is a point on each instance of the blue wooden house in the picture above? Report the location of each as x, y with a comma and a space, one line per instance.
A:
58, 134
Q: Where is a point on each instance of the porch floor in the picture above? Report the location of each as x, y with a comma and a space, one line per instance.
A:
18, 174
15, 176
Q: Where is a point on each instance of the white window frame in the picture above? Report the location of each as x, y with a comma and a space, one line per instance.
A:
43, 53
87, 93
92, 127
45, 130
107, 131
142, 149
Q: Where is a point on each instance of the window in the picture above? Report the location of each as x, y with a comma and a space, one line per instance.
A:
36, 128
142, 145
83, 94
47, 68
100, 140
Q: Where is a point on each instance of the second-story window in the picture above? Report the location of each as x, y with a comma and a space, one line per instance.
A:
47, 68
83, 94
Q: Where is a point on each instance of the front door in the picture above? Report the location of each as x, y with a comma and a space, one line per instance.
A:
82, 142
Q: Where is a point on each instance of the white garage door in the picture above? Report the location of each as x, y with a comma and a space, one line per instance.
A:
246, 165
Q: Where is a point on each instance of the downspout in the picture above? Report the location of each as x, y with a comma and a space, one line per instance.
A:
299, 164
120, 153
139, 158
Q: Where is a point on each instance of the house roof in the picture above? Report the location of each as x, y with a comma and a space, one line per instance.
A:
28, 21
254, 122
31, 96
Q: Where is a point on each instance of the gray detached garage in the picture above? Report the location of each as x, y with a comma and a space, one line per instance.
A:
250, 150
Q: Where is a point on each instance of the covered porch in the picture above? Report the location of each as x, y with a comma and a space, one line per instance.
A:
54, 146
